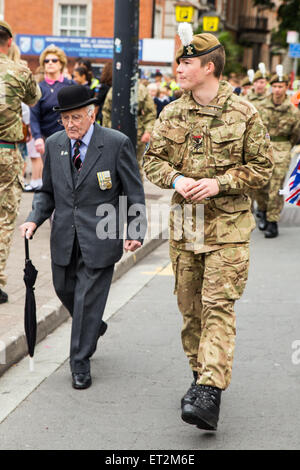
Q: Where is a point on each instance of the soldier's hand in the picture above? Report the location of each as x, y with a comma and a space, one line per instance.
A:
202, 189
182, 185
145, 137
28, 229
131, 245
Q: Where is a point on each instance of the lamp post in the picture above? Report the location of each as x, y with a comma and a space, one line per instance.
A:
125, 68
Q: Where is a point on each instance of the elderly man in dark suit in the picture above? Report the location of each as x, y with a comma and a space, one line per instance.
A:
89, 174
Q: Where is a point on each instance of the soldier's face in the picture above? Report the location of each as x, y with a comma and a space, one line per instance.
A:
279, 90
260, 86
190, 73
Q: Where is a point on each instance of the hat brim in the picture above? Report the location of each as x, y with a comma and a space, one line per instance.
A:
59, 109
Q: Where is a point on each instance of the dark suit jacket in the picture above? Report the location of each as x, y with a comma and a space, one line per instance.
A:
84, 207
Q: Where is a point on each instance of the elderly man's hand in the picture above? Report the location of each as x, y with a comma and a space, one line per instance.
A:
132, 245
28, 229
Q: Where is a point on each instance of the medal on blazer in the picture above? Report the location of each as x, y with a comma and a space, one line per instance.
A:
104, 179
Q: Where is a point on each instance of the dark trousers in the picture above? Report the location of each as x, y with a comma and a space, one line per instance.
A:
83, 291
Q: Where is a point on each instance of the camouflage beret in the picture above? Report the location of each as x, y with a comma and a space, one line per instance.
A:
258, 74
4, 27
246, 81
276, 79
201, 44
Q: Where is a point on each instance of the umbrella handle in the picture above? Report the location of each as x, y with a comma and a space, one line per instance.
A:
26, 247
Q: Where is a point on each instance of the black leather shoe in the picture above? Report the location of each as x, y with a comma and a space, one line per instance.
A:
259, 213
81, 380
204, 412
262, 223
271, 230
103, 328
3, 297
190, 395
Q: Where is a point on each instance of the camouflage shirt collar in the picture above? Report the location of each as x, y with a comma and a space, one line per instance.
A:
215, 107
281, 107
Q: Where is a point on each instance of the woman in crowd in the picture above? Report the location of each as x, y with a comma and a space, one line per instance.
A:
43, 120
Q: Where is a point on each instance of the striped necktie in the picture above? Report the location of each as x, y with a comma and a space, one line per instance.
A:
76, 157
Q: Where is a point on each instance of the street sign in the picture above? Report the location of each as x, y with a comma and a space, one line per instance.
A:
184, 13
294, 51
210, 23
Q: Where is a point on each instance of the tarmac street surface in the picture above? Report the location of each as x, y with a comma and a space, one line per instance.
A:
140, 372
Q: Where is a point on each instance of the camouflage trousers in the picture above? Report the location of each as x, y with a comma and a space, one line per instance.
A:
207, 286
261, 197
11, 164
140, 157
275, 202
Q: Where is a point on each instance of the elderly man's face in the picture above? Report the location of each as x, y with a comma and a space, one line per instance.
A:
77, 122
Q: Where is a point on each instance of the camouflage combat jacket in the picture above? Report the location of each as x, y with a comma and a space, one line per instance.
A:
254, 98
283, 124
225, 140
16, 85
146, 110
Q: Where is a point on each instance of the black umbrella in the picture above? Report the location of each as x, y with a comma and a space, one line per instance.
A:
30, 274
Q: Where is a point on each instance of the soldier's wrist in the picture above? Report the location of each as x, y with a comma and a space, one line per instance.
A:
223, 183
176, 179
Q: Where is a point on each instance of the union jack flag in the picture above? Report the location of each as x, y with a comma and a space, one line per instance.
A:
292, 190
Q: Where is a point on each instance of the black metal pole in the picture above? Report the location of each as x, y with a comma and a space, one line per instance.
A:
125, 68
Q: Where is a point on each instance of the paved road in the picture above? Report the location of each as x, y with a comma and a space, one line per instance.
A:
140, 372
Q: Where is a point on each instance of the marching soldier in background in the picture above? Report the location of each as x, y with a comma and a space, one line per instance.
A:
282, 120
256, 95
146, 119
247, 83
211, 146
259, 89
16, 85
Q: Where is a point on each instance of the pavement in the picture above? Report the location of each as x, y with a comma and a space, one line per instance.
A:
50, 312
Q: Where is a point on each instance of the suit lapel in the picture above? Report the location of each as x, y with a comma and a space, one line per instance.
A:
64, 158
93, 153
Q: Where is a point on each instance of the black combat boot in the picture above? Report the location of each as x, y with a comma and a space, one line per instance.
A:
190, 396
3, 297
262, 223
271, 230
204, 411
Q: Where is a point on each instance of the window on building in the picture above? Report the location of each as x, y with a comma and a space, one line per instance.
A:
73, 20
72, 17
1, 10
158, 23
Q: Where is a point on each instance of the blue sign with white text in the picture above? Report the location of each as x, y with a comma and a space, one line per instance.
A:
294, 51
73, 46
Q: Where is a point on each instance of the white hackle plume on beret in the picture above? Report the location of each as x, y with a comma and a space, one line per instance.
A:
185, 32
279, 71
250, 74
262, 68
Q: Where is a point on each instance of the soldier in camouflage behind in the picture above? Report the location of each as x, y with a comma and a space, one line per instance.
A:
16, 85
256, 95
282, 120
211, 147
146, 119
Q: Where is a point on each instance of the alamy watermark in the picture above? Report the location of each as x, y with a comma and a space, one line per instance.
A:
136, 222
296, 353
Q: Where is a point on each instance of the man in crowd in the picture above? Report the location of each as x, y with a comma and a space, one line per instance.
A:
17, 85
282, 119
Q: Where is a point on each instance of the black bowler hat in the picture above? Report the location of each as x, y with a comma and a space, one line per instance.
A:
73, 97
